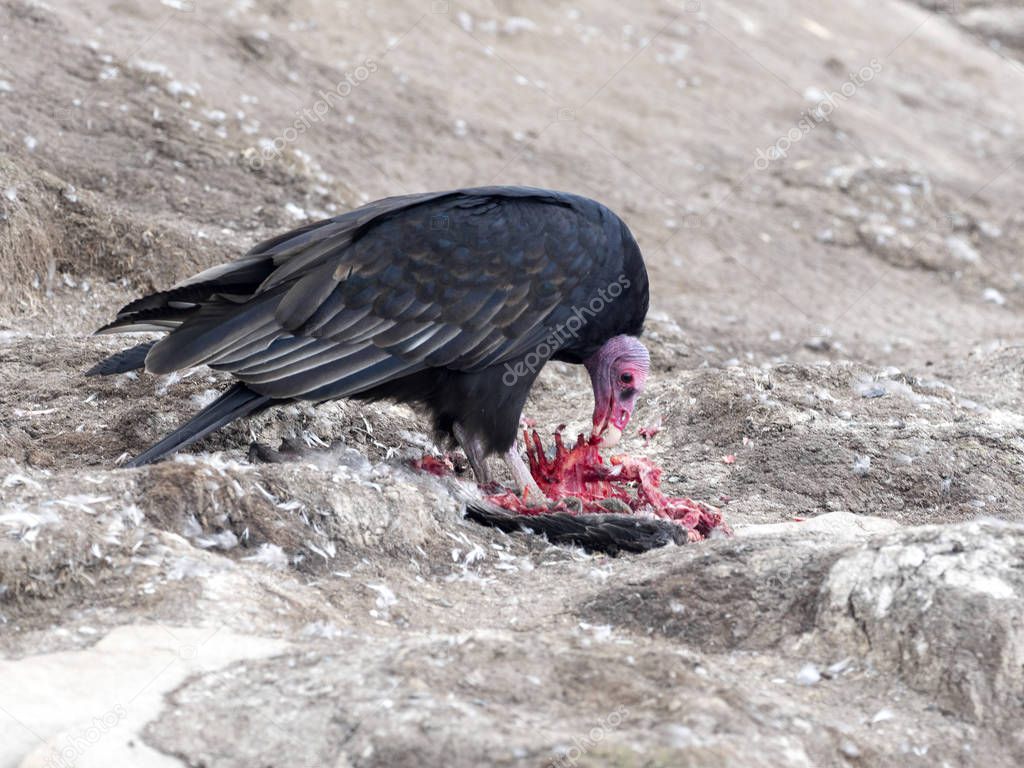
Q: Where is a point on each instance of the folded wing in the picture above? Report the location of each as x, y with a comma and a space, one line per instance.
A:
461, 280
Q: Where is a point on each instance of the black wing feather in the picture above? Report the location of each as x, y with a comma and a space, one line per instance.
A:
236, 402
126, 360
464, 280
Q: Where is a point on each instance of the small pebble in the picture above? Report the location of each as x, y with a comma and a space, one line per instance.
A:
818, 344
882, 715
988, 229
993, 296
808, 675
834, 670
861, 465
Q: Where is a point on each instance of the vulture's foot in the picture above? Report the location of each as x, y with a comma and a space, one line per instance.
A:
525, 485
474, 451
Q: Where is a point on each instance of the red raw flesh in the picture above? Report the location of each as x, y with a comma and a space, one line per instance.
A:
440, 467
581, 474
648, 431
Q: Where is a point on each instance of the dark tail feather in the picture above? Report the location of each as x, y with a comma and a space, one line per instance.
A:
240, 277
610, 534
236, 402
125, 360
161, 317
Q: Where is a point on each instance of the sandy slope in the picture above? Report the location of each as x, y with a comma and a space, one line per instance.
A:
841, 313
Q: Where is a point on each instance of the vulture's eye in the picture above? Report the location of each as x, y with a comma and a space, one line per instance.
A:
626, 378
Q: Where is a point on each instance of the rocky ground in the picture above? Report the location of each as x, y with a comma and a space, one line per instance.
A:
826, 198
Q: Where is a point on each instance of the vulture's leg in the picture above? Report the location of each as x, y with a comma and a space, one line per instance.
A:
474, 452
522, 476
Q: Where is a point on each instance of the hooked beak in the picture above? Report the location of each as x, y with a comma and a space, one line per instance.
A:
610, 419
614, 393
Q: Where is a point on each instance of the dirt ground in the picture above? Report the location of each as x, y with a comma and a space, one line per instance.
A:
826, 197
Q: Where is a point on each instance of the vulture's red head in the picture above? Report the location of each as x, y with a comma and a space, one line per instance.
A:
618, 371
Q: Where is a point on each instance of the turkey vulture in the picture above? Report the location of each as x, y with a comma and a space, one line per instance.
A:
452, 301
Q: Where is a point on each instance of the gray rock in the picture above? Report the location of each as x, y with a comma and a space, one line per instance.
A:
942, 608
